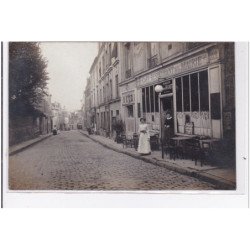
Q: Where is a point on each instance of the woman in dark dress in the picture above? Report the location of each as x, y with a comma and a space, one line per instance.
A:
168, 127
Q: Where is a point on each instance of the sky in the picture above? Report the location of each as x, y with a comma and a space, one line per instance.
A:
68, 67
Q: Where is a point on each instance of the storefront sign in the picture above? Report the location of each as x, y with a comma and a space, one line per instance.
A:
167, 87
128, 98
186, 65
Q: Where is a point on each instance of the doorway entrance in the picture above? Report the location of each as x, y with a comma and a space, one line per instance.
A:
167, 106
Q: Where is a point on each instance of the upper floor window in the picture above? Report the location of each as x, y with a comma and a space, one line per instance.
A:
117, 86
154, 49
107, 91
153, 59
114, 51
100, 70
127, 60
111, 89
170, 46
103, 94
103, 64
109, 55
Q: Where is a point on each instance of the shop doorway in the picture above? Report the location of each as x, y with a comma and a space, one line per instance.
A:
130, 119
167, 106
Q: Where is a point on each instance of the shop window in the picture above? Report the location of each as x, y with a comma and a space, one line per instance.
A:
104, 119
130, 111
186, 94
143, 100
204, 101
150, 102
147, 100
152, 107
194, 92
156, 102
138, 110
178, 95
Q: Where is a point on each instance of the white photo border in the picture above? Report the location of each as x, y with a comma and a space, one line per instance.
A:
217, 198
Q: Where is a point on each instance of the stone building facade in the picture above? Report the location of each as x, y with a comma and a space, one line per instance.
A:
37, 122
103, 89
198, 81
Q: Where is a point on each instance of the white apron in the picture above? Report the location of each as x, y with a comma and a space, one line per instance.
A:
144, 143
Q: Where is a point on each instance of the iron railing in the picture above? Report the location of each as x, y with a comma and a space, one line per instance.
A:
128, 73
152, 61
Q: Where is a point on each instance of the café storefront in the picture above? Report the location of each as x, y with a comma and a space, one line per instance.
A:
193, 91
129, 110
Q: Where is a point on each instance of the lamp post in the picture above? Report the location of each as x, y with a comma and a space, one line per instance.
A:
158, 89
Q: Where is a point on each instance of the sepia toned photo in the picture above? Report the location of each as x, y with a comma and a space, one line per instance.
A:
121, 116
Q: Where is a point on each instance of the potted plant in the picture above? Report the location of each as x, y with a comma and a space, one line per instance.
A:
119, 127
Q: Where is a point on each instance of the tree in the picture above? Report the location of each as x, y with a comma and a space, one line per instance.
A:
27, 78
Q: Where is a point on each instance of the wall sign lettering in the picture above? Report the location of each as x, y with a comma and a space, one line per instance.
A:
128, 98
189, 64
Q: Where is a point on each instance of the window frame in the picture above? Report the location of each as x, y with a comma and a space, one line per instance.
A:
152, 106
128, 112
190, 92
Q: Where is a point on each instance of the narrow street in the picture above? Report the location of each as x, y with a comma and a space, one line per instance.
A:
70, 161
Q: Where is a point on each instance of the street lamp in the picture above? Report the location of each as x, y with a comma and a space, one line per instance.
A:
158, 89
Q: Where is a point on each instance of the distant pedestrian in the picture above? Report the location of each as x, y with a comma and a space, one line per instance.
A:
144, 138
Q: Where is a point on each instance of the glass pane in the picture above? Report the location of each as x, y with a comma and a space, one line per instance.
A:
130, 111
194, 92
156, 102
204, 91
147, 100
152, 98
143, 100
186, 99
139, 109
178, 95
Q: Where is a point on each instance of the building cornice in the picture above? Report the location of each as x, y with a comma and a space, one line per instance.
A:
108, 70
169, 61
115, 62
115, 100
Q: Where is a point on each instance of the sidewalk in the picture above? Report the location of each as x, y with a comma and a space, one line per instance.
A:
223, 178
23, 145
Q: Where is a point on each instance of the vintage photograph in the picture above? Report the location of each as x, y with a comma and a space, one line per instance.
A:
121, 116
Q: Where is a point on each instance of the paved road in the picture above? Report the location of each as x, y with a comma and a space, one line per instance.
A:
71, 161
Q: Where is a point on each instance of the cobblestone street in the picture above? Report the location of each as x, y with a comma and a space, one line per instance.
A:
70, 161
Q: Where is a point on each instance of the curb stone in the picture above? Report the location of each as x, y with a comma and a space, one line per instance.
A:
28, 145
217, 181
